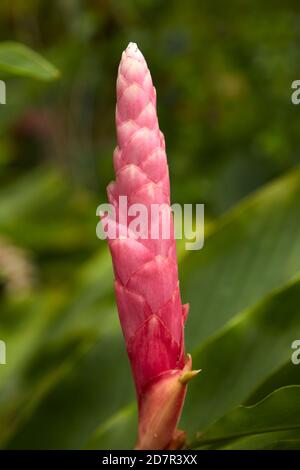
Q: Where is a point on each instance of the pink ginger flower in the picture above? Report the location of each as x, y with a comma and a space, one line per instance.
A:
146, 273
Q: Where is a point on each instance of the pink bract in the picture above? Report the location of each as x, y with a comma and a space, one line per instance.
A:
146, 273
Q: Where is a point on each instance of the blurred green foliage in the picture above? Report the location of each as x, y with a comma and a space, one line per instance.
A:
223, 75
18, 59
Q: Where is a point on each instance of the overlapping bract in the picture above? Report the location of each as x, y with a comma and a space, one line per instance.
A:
146, 273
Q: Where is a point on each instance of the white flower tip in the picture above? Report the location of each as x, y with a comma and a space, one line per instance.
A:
133, 51
132, 45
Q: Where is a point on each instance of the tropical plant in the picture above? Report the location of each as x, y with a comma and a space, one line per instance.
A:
233, 143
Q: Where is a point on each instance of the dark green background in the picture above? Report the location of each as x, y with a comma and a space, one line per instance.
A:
223, 73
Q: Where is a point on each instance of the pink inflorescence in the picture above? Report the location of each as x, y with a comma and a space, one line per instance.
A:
146, 274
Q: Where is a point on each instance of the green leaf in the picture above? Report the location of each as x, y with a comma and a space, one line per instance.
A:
253, 250
286, 374
120, 429
238, 359
18, 59
262, 336
285, 440
34, 190
245, 349
71, 409
73, 370
278, 412
54, 218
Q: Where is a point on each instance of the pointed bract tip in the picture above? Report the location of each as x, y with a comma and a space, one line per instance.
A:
132, 46
133, 51
188, 375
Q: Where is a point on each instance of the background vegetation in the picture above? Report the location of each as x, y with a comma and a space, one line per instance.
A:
223, 76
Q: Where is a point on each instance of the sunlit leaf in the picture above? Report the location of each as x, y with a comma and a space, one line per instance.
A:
279, 412
254, 249
238, 359
18, 59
